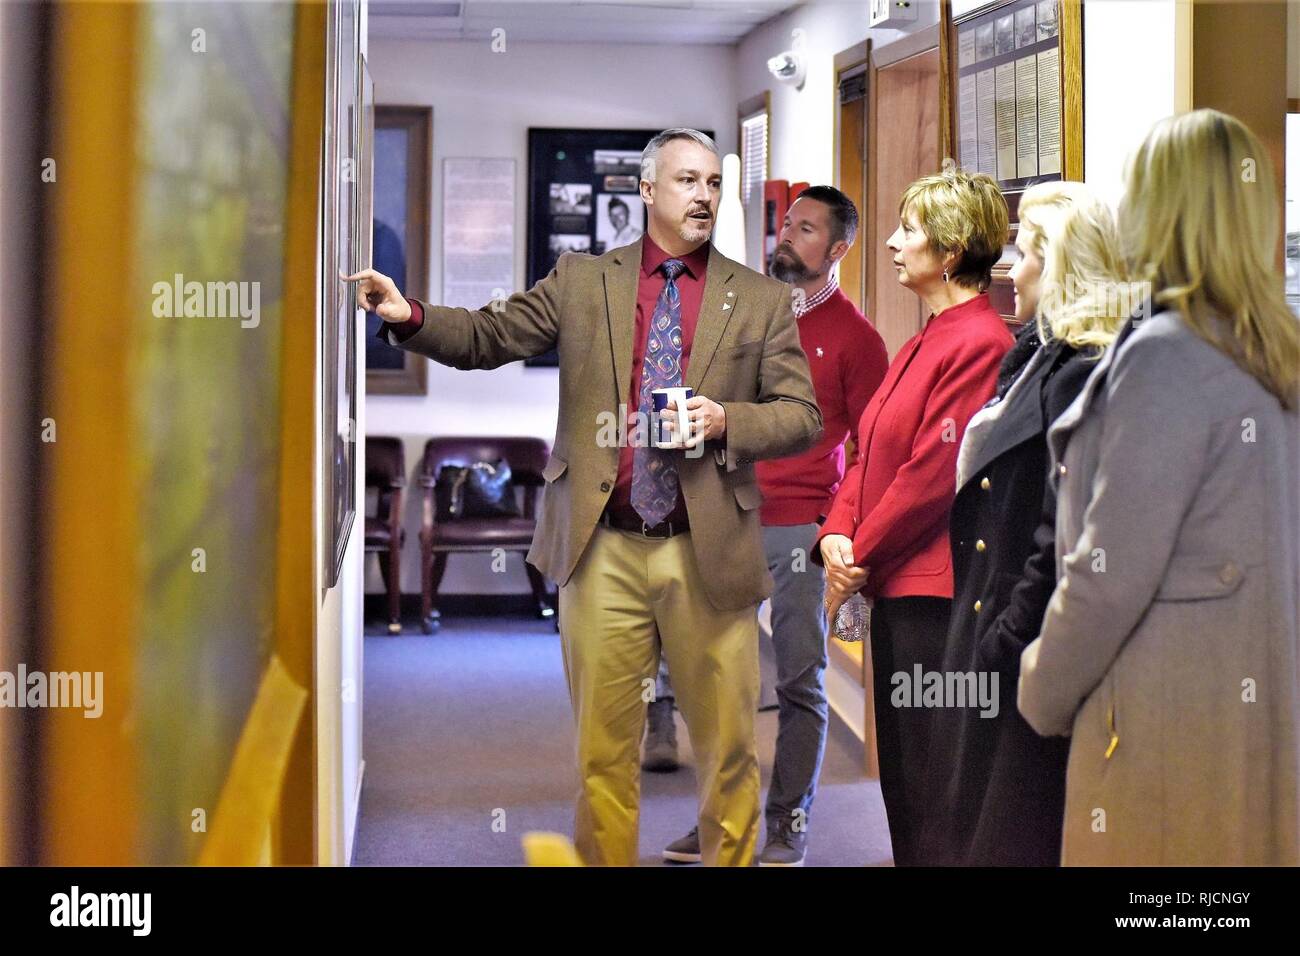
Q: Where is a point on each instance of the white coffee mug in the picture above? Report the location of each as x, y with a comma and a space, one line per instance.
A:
665, 437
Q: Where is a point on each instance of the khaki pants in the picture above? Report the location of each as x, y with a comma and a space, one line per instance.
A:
628, 595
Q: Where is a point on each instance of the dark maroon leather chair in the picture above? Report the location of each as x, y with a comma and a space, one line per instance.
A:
386, 471
527, 459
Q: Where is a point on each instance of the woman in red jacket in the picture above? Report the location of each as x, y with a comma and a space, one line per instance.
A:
887, 532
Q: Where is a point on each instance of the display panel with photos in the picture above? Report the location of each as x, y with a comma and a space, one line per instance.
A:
1008, 100
584, 196
1013, 103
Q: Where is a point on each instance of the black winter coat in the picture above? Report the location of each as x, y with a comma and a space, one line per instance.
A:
995, 788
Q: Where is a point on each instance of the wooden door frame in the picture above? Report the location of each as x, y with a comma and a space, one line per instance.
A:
880, 58
848, 63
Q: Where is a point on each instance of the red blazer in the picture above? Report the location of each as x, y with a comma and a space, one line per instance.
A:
894, 501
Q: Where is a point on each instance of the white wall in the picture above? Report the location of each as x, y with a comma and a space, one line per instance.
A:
1119, 105
803, 120
483, 104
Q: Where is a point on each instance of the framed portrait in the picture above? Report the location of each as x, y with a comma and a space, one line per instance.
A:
584, 195
342, 250
402, 143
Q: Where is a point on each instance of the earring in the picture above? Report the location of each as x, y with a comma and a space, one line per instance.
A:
945, 275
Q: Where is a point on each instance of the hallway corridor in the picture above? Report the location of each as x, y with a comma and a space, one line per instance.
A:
476, 719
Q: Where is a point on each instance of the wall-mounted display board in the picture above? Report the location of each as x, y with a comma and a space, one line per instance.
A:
1016, 91
1013, 98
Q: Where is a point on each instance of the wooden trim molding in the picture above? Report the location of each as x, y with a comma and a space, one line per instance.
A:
855, 55
90, 591
293, 826
1071, 28
922, 41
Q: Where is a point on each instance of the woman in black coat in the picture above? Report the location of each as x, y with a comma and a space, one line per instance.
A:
995, 788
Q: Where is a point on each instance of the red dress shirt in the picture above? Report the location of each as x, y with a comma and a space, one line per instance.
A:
895, 499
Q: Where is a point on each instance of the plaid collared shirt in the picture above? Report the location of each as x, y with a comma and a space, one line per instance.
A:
817, 298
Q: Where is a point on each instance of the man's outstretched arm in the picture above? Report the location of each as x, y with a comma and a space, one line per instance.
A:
506, 330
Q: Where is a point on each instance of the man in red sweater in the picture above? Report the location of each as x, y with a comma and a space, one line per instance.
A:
848, 360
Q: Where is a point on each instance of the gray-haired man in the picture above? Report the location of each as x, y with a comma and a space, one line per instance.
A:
652, 548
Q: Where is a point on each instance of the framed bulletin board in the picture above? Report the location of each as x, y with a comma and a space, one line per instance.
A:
1013, 100
1015, 92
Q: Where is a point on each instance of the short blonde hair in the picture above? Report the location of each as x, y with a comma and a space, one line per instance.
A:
1199, 222
1085, 295
960, 211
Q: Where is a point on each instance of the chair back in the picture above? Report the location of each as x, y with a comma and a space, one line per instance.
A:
385, 469
526, 456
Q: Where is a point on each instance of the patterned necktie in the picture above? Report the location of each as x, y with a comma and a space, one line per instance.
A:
654, 473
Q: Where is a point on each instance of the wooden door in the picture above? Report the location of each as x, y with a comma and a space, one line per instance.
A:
903, 144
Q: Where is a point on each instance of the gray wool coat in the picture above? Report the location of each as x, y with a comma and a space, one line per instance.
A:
1169, 648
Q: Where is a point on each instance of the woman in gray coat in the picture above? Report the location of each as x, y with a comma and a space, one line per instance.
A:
1169, 648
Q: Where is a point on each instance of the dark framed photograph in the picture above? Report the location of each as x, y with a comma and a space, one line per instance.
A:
402, 147
584, 195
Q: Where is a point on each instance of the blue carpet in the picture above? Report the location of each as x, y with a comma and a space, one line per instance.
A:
468, 743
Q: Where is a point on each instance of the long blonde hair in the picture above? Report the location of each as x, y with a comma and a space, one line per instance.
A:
1199, 221
1086, 296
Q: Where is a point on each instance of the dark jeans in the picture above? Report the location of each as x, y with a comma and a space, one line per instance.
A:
905, 632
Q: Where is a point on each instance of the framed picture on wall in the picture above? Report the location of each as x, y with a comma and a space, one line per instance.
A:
584, 195
1012, 102
342, 250
1014, 94
400, 237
